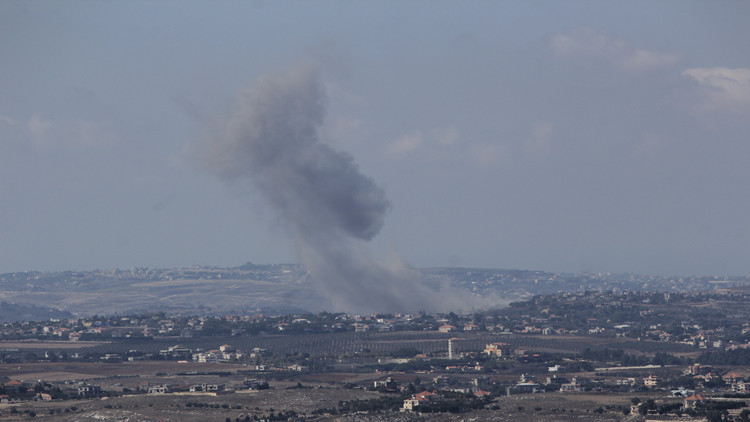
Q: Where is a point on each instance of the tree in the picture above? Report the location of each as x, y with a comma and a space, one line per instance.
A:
713, 416
646, 406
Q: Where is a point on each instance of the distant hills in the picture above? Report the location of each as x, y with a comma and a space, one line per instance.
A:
279, 288
12, 312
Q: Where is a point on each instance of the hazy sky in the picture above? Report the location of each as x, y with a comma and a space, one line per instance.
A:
559, 136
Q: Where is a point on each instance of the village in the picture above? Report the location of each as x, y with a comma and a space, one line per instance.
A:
674, 355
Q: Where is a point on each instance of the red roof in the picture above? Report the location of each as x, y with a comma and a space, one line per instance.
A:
733, 375
695, 397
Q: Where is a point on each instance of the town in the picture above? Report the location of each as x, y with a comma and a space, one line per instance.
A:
665, 355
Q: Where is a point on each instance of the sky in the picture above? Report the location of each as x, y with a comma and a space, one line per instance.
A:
558, 136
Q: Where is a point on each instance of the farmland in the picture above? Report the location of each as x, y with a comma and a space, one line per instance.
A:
584, 356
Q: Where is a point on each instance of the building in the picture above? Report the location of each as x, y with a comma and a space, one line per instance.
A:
158, 389
208, 357
255, 384
205, 388
498, 350
297, 368
694, 401
452, 348
526, 387
87, 390
739, 387
389, 384
13, 386
420, 399
571, 386
176, 352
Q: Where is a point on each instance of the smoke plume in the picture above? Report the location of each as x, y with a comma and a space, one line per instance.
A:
319, 194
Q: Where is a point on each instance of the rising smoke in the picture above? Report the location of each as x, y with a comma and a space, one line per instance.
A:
319, 194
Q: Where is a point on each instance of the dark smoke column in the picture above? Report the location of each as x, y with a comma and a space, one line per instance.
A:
318, 193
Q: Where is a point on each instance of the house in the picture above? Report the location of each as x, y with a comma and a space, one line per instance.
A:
696, 400
61, 331
651, 381
158, 389
739, 387
297, 368
699, 369
498, 350
526, 384
526, 387
527, 378
471, 327
420, 399
208, 357
43, 397
570, 387
176, 352
447, 328
205, 387
707, 377
732, 377
89, 390
389, 384
255, 384
13, 386
410, 404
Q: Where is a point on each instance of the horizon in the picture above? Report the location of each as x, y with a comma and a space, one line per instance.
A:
575, 137
488, 268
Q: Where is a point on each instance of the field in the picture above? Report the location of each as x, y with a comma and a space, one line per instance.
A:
301, 393
350, 343
48, 345
182, 408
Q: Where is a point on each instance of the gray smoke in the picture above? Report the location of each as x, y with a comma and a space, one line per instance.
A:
318, 194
